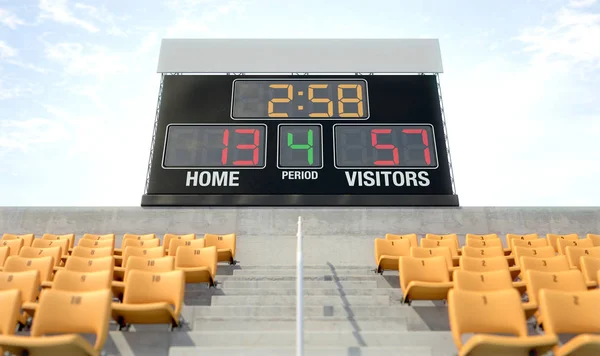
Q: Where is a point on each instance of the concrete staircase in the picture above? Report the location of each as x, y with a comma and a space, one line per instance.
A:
348, 310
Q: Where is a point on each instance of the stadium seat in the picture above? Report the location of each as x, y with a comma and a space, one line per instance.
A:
154, 265
69, 237
422, 252
483, 252
589, 267
63, 244
151, 252
561, 244
27, 238
127, 237
198, 264
549, 265
475, 264
572, 313
553, 238
14, 245
595, 238
538, 252
59, 312
28, 285
450, 244
412, 238
477, 243
225, 245
151, 298
89, 243
33, 252
488, 313
10, 302
424, 278
99, 236
44, 265
533, 243
85, 265
4, 253
388, 252
176, 243
482, 237
511, 237
168, 237
574, 254
445, 237
89, 252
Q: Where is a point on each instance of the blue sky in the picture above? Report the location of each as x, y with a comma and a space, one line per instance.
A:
78, 88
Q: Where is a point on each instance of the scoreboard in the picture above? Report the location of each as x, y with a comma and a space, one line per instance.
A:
299, 140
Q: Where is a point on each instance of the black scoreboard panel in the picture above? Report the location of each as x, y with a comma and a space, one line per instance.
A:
300, 140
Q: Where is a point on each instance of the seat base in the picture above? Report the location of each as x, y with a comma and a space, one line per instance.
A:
225, 255
485, 345
197, 275
580, 345
388, 263
148, 313
60, 345
427, 291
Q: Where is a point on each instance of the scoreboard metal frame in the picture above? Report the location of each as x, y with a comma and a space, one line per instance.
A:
243, 61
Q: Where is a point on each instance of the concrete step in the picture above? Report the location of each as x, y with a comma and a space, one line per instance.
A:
245, 311
238, 267
290, 351
289, 324
254, 284
292, 292
292, 277
308, 300
307, 272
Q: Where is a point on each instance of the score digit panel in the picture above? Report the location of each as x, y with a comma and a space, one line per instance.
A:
310, 141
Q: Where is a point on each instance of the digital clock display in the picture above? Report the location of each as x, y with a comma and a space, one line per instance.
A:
300, 99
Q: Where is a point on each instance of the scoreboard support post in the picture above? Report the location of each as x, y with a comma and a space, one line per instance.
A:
312, 123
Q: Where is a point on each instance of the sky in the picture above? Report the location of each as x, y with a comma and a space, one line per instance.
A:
78, 89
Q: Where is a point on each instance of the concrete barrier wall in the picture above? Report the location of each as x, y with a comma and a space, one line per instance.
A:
266, 236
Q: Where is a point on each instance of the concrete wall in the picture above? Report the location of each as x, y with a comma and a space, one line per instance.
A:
266, 236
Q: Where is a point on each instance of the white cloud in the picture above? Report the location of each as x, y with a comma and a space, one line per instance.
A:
58, 11
194, 17
581, 3
6, 51
79, 59
102, 15
26, 135
10, 19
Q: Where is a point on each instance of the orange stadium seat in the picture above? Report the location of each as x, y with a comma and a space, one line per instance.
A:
412, 238
589, 267
28, 285
572, 313
168, 237
483, 252
59, 312
538, 252
27, 238
451, 237
422, 252
477, 243
488, 313
127, 237
151, 298
525, 237
450, 244
85, 265
561, 244
176, 243
4, 253
151, 252
574, 254
225, 245
14, 245
198, 264
533, 243
488, 264
154, 265
99, 236
595, 238
63, 244
549, 264
69, 237
89, 252
90, 243
424, 278
482, 237
34, 252
44, 265
10, 302
553, 238
388, 252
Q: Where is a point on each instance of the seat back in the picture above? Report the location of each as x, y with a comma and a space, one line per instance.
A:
483, 252
537, 252
64, 312
27, 238
89, 252
90, 243
430, 269
176, 243
533, 243
139, 237
27, 282
44, 265
484, 243
422, 252
144, 243
549, 265
482, 237
487, 264
11, 309
99, 236
150, 287
482, 281
221, 242
570, 312
571, 281
451, 244
188, 256
4, 253
154, 265
34, 252
14, 246
46, 243
590, 266
412, 238
561, 244
574, 254
145, 252
497, 312
511, 237
595, 238
68, 237
75, 281
88, 265
553, 238
400, 247
169, 237
445, 237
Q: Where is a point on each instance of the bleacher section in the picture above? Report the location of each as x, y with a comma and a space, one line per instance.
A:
234, 294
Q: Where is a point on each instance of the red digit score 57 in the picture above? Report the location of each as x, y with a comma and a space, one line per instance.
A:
384, 146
